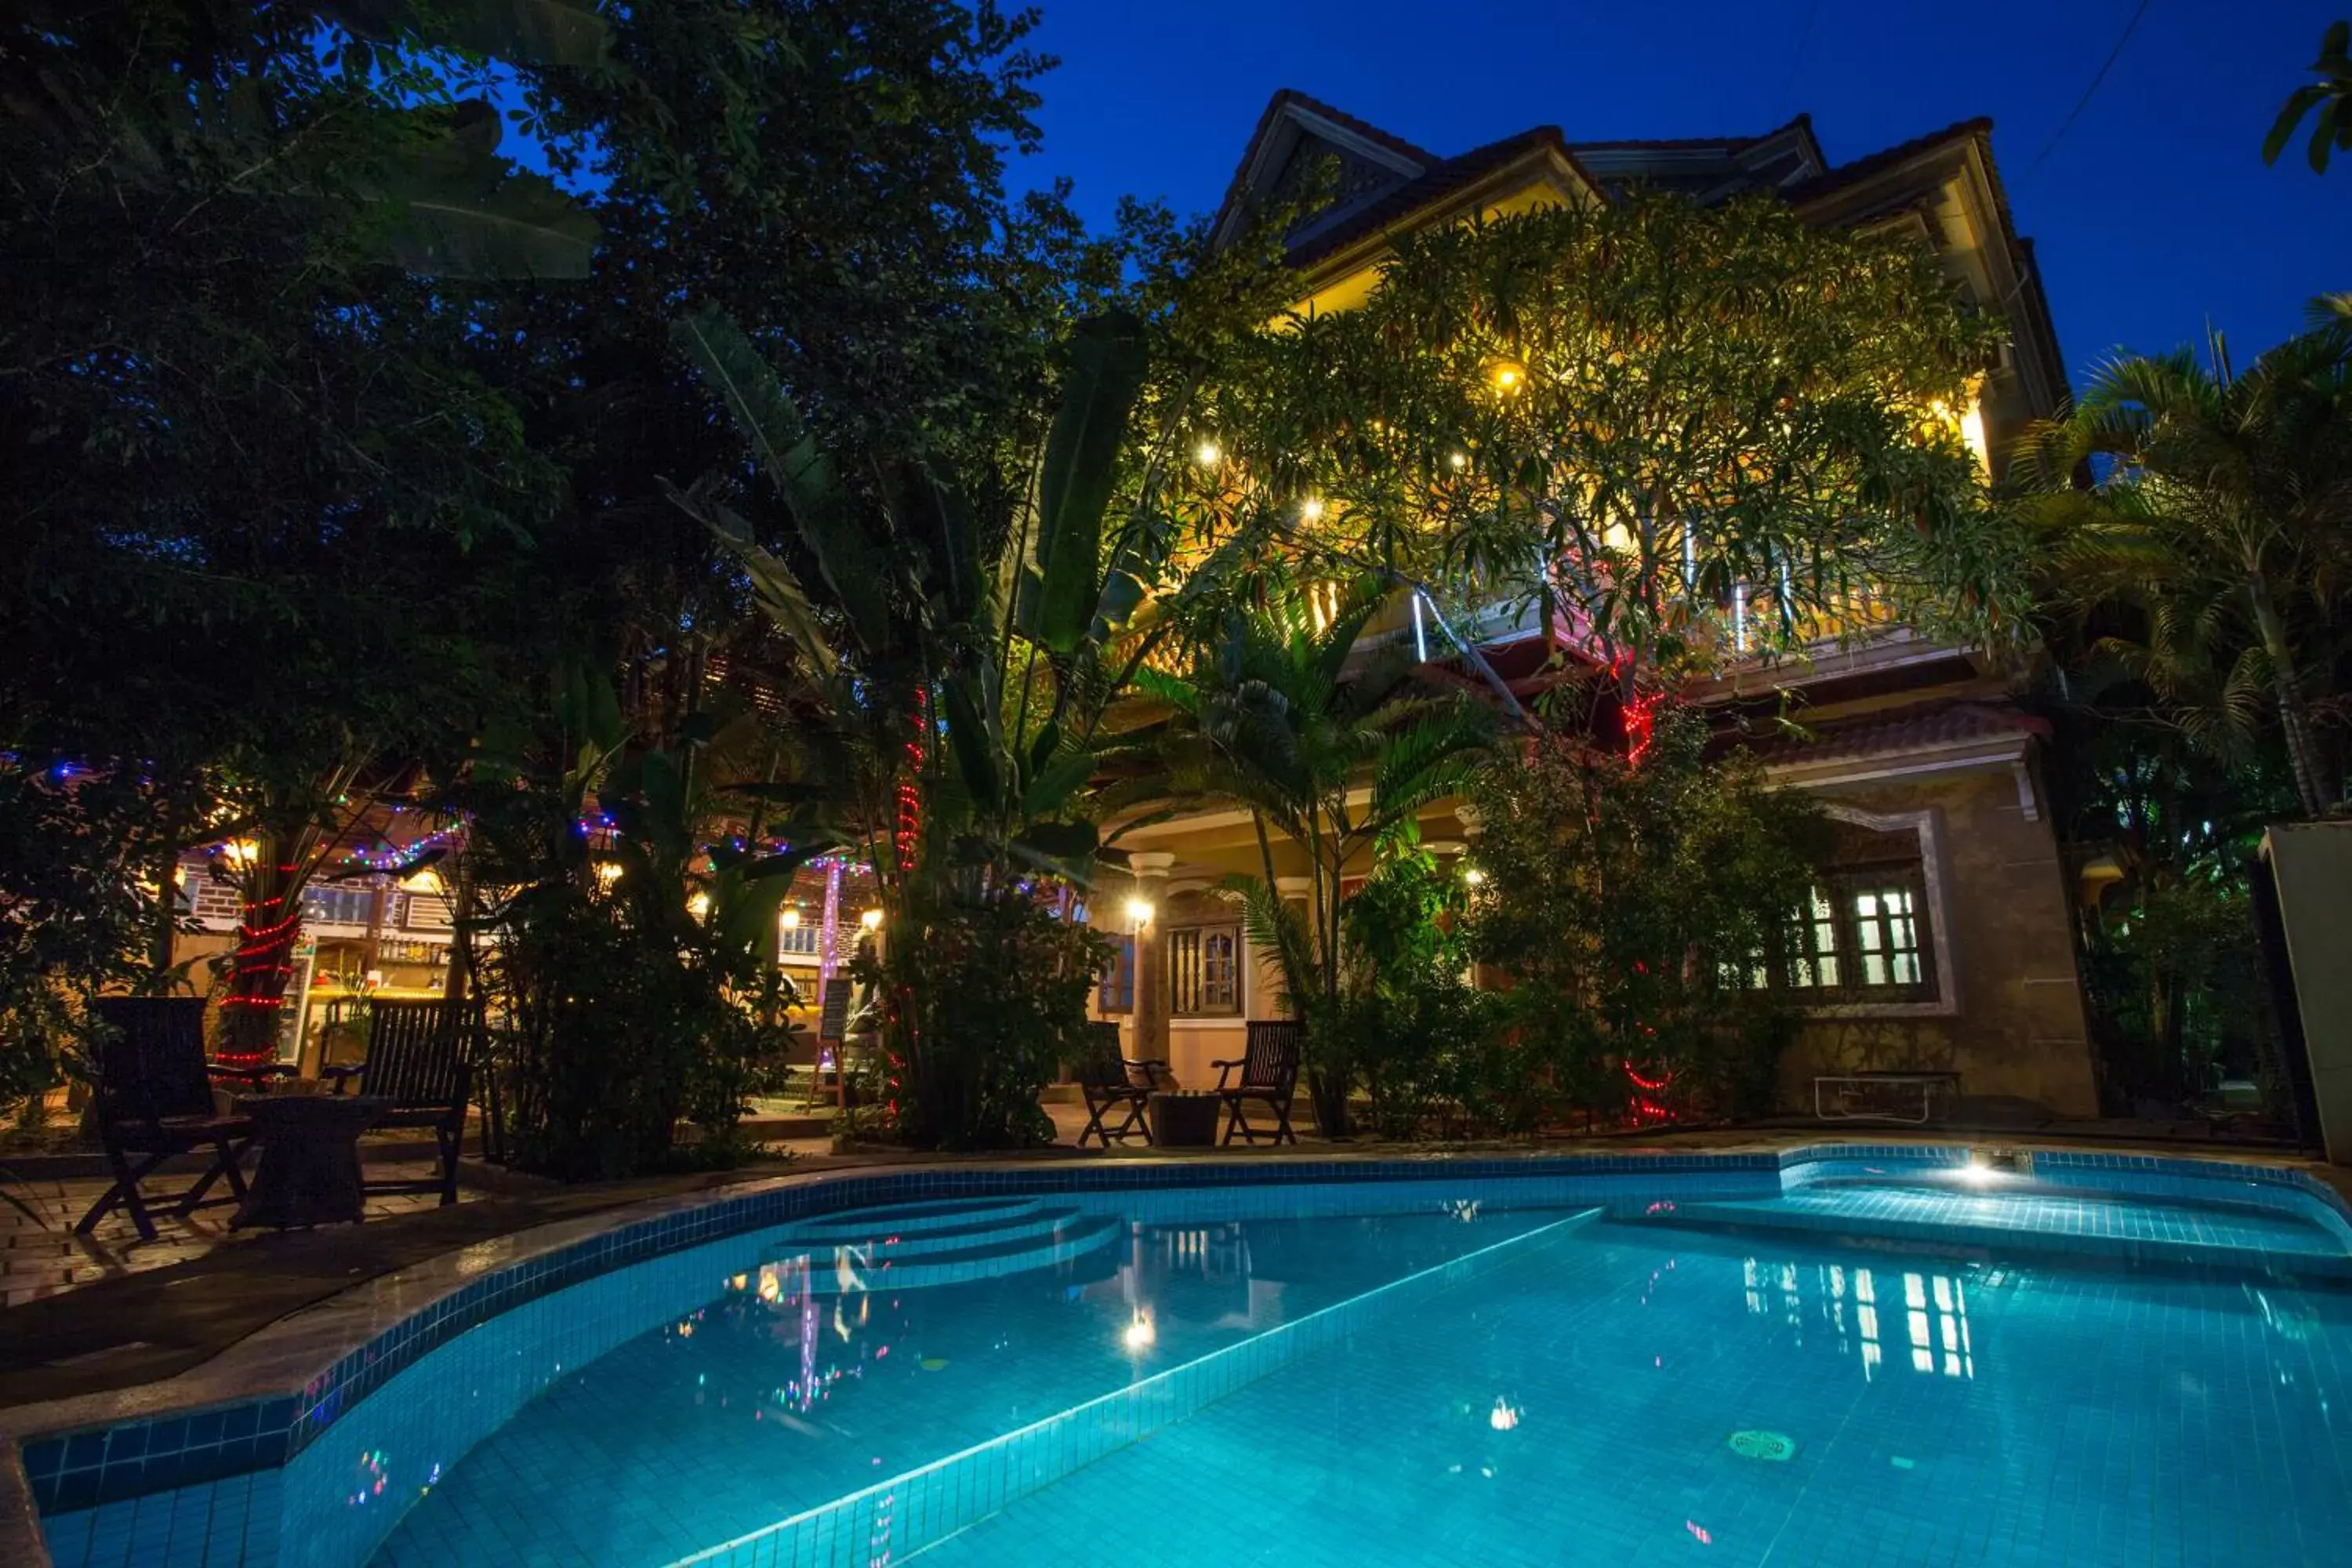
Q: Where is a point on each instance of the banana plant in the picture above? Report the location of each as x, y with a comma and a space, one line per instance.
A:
911, 617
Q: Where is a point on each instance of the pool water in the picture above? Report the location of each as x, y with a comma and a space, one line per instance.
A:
1840, 1362
811, 1376
1580, 1405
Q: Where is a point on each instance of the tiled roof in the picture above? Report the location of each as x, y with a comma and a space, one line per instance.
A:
1845, 174
1443, 179
1912, 730
1669, 144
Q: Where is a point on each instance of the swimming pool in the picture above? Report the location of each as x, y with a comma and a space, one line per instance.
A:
1841, 1355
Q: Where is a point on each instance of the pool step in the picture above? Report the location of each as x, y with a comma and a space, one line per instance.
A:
910, 1219
1068, 1237
879, 1243
2034, 1224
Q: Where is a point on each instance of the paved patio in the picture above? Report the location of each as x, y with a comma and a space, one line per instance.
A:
41, 1256
36, 1262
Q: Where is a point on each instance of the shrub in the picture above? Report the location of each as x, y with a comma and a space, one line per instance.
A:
981, 1003
1623, 901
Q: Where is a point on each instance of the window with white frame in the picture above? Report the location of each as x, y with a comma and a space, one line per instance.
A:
1204, 971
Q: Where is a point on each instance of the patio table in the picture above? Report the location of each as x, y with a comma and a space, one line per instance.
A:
309, 1171
1184, 1119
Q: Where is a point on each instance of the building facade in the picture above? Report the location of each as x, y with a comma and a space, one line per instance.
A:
1941, 936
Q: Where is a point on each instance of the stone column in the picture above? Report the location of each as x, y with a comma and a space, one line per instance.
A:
1150, 868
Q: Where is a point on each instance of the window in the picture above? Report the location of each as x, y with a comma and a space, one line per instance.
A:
1887, 936
1811, 945
1204, 971
1116, 993
1861, 936
798, 941
338, 905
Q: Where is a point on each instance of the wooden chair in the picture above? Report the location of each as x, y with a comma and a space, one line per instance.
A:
1269, 1070
1108, 1081
420, 1059
152, 1094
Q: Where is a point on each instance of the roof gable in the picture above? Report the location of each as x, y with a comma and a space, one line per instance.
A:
1296, 130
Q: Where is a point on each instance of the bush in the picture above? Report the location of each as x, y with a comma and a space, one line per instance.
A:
981, 1003
1406, 1020
1623, 903
616, 1034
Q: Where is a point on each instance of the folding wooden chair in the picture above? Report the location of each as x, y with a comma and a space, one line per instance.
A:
1269, 1069
152, 1094
420, 1059
1110, 1082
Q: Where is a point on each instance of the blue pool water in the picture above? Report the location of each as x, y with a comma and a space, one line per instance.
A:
1843, 1364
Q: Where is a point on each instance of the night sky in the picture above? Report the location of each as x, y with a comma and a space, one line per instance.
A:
2152, 212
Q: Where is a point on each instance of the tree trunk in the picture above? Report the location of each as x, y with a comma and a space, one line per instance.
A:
165, 930
2294, 716
264, 962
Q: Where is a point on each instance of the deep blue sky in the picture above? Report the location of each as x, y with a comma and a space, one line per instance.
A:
2153, 212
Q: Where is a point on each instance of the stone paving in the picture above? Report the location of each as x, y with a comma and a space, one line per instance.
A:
43, 1256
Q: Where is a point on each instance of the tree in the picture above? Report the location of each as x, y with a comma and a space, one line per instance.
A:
1271, 718
2171, 969
2221, 524
2330, 127
244, 444
1636, 415
1631, 908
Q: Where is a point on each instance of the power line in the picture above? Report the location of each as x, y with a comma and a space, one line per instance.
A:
2084, 101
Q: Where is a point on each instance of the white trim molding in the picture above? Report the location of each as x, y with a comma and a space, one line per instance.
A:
1929, 826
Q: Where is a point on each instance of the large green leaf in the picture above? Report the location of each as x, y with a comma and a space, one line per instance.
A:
734, 368
970, 737
455, 208
779, 593
1051, 787
1107, 361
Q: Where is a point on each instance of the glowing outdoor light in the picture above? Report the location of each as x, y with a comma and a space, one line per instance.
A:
1506, 375
871, 919
608, 871
1140, 1334
790, 918
1458, 460
698, 905
1140, 910
1310, 509
1208, 454
424, 880
241, 850
1473, 875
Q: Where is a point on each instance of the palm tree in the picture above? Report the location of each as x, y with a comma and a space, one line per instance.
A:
2222, 525
1272, 719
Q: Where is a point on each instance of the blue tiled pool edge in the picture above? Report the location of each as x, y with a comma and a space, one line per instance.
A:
72, 1469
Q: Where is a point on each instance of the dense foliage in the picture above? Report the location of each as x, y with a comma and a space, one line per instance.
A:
1329, 753
1627, 905
1626, 412
2211, 560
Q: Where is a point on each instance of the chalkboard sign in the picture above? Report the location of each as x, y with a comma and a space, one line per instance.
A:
833, 1021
